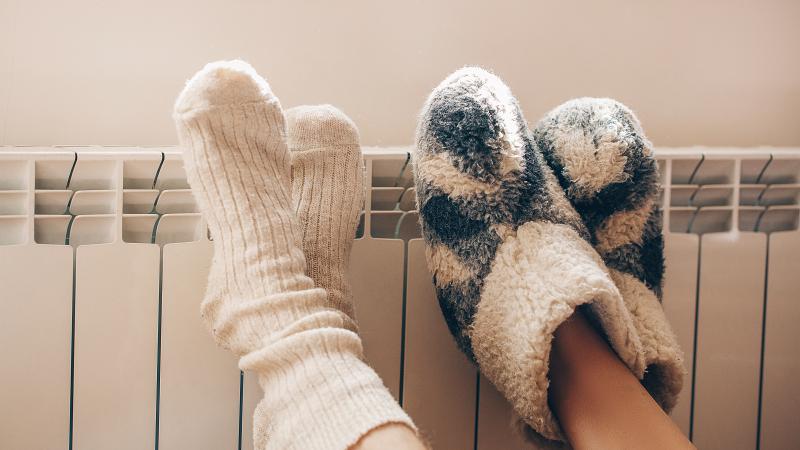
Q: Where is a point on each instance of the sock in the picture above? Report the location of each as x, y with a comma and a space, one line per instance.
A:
604, 162
328, 193
509, 255
318, 394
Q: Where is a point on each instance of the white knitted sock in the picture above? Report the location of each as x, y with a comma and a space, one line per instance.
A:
328, 192
318, 394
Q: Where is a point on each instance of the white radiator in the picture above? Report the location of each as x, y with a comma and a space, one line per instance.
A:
103, 262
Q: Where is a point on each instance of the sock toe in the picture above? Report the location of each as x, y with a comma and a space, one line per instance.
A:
319, 126
599, 151
473, 116
223, 83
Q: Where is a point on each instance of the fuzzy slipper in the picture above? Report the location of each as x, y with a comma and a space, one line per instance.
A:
510, 257
605, 164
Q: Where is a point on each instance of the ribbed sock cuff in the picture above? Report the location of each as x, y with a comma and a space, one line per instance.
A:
320, 396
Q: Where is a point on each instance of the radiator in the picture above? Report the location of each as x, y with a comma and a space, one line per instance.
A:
103, 263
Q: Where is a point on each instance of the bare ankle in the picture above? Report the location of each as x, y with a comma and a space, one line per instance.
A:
391, 435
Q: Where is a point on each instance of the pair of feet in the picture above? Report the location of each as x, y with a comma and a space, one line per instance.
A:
281, 193
242, 149
523, 226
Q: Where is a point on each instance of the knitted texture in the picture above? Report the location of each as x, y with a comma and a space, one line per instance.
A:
328, 193
510, 257
604, 162
259, 303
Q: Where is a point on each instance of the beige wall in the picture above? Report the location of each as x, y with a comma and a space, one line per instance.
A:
697, 72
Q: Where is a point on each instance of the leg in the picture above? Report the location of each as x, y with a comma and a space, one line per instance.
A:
394, 436
599, 403
327, 190
509, 255
260, 304
604, 162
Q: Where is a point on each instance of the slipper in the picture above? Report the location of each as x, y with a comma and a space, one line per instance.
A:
511, 259
604, 163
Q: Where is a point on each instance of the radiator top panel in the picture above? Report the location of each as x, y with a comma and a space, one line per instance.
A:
104, 259
91, 195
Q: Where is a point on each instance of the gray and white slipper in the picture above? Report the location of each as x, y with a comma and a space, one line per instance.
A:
603, 161
511, 259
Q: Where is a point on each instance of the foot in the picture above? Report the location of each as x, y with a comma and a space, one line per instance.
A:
604, 162
328, 193
508, 253
259, 303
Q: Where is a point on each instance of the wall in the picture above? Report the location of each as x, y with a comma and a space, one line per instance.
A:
106, 72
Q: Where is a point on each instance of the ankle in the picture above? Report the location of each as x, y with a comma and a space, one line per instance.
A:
390, 435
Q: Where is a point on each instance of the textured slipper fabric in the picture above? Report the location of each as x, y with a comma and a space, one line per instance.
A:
605, 164
510, 257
